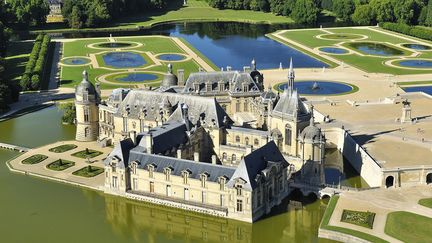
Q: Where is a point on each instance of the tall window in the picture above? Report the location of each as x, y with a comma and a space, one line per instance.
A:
233, 158
222, 183
203, 180
151, 170
288, 134
224, 156
256, 142
247, 140
168, 190
185, 177
114, 181
203, 197
135, 184
238, 106
151, 187
239, 190
167, 174
222, 200
125, 124
237, 139
239, 206
186, 194
86, 114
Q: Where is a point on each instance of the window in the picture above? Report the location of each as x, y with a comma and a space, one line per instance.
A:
224, 156
247, 141
222, 181
239, 190
233, 158
222, 200
135, 184
186, 194
134, 168
239, 206
167, 173
114, 167
151, 170
237, 139
203, 197
125, 124
114, 181
85, 96
256, 142
288, 134
86, 132
86, 114
185, 177
203, 179
238, 106
168, 190
151, 187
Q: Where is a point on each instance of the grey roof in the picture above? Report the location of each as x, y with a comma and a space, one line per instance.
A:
165, 137
169, 80
179, 165
255, 162
249, 130
138, 100
85, 85
236, 78
121, 152
290, 106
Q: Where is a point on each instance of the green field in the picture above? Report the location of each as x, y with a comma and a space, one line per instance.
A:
194, 11
408, 227
427, 202
340, 37
144, 46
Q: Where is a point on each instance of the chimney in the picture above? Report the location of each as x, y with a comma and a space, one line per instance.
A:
179, 154
149, 143
228, 68
196, 157
133, 136
180, 77
213, 159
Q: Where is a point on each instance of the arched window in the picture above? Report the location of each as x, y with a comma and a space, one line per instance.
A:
288, 134
237, 139
256, 142
233, 157
224, 156
247, 141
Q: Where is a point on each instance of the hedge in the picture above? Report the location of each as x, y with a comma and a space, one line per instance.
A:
415, 31
35, 67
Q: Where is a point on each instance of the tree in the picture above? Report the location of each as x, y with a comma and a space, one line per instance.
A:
363, 15
35, 82
75, 21
264, 5
276, 6
343, 9
305, 12
327, 4
407, 11
4, 96
69, 113
428, 19
254, 5
382, 10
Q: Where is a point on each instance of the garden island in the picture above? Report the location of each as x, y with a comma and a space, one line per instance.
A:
160, 126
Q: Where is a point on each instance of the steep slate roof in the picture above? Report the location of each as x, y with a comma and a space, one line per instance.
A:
165, 137
179, 165
252, 164
290, 105
121, 151
137, 100
236, 78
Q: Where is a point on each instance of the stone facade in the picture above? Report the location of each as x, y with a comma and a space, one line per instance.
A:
87, 115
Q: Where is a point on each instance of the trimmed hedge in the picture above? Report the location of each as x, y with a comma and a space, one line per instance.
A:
415, 31
35, 67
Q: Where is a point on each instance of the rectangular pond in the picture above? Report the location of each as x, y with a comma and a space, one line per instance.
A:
424, 89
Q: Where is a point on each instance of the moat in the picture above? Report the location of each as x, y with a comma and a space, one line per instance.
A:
41, 205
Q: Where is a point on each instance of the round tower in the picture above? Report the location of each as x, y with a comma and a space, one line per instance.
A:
87, 114
169, 79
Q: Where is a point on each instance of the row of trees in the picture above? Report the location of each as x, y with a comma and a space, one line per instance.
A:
35, 67
91, 13
416, 31
25, 12
361, 12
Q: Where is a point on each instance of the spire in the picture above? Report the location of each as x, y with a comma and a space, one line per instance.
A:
253, 64
291, 76
170, 66
85, 76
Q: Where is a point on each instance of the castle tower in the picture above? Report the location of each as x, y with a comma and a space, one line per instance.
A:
312, 149
86, 105
291, 76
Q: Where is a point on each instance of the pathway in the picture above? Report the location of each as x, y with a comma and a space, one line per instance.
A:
194, 56
54, 76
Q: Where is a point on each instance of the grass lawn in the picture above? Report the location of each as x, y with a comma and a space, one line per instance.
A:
90, 153
326, 218
88, 171
60, 164
427, 202
368, 63
63, 148
409, 227
72, 75
408, 83
34, 159
195, 10
364, 219
16, 59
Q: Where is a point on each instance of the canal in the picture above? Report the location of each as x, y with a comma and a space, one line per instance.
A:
36, 210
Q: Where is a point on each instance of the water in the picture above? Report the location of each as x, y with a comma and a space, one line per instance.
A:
416, 63
425, 89
137, 77
76, 61
418, 47
333, 50
123, 59
114, 45
377, 49
322, 87
171, 57
35, 210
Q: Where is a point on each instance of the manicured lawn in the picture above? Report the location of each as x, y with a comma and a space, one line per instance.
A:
34, 159
195, 10
72, 75
84, 154
364, 219
60, 164
326, 218
88, 171
413, 83
409, 227
427, 202
365, 62
63, 148
16, 59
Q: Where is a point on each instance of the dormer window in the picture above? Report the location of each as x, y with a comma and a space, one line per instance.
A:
151, 168
204, 177
239, 189
167, 171
185, 174
134, 167
222, 181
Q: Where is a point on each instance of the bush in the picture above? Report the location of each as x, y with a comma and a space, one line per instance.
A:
35, 82
415, 31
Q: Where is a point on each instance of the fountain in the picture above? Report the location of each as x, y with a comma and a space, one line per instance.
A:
315, 86
123, 59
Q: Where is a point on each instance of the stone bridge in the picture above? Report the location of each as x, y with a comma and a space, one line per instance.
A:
14, 147
322, 191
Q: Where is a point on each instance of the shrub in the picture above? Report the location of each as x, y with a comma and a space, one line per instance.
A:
415, 31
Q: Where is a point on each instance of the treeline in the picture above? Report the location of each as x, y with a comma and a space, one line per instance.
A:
25, 13
8, 91
416, 31
34, 70
91, 13
360, 12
